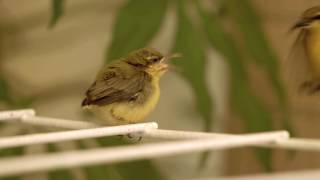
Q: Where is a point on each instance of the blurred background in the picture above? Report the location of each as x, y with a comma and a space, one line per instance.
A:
231, 78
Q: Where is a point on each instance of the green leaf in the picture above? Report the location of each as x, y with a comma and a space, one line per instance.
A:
13, 101
11, 152
256, 116
142, 169
4, 91
57, 8
98, 172
257, 46
137, 22
189, 43
60, 174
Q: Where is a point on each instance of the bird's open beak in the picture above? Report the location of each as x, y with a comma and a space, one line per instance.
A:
169, 57
163, 65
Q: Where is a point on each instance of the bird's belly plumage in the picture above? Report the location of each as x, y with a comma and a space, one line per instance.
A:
128, 112
133, 113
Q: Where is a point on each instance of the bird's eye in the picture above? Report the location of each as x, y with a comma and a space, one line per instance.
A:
155, 59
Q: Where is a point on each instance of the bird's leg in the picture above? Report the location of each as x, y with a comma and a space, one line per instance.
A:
131, 136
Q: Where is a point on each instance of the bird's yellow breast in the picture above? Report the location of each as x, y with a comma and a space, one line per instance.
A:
129, 112
312, 44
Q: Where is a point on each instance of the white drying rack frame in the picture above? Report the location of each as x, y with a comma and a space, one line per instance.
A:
186, 141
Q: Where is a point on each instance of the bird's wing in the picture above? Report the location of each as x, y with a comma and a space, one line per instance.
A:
115, 86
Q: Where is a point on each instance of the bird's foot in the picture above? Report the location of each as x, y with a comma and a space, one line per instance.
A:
136, 136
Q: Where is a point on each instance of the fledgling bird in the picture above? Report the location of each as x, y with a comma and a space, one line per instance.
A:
309, 40
126, 90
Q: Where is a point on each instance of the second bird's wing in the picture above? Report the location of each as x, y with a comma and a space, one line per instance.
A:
115, 86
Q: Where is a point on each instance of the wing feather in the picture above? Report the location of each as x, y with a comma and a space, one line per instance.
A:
115, 85
297, 64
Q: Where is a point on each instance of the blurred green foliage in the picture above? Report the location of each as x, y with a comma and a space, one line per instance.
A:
138, 22
138, 17
4, 91
257, 46
57, 8
247, 106
11, 152
60, 174
190, 44
143, 169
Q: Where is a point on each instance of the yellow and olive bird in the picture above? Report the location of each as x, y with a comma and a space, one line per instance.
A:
309, 40
126, 90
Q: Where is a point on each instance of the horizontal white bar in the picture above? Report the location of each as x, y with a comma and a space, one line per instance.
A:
292, 143
298, 144
59, 123
23, 140
28, 116
16, 114
175, 134
32, 163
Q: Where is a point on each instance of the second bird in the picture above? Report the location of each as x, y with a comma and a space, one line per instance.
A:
309, 39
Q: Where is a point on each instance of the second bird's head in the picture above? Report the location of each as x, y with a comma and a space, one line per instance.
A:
310, 19
149, 60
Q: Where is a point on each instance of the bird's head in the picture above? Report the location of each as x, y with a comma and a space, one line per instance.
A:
150, 61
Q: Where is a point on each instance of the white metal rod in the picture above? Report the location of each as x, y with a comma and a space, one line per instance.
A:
23, 140
292, 143
298, 144
144, 129
175, 134
28, 116
32, 163
16, 114
59, 123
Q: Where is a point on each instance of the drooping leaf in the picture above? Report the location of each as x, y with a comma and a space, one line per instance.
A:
4, 91
57, 10
257, 46
10, 99
11, 152
255, 41
137, 22
255, 115
192, 64
61, 174
189, 43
